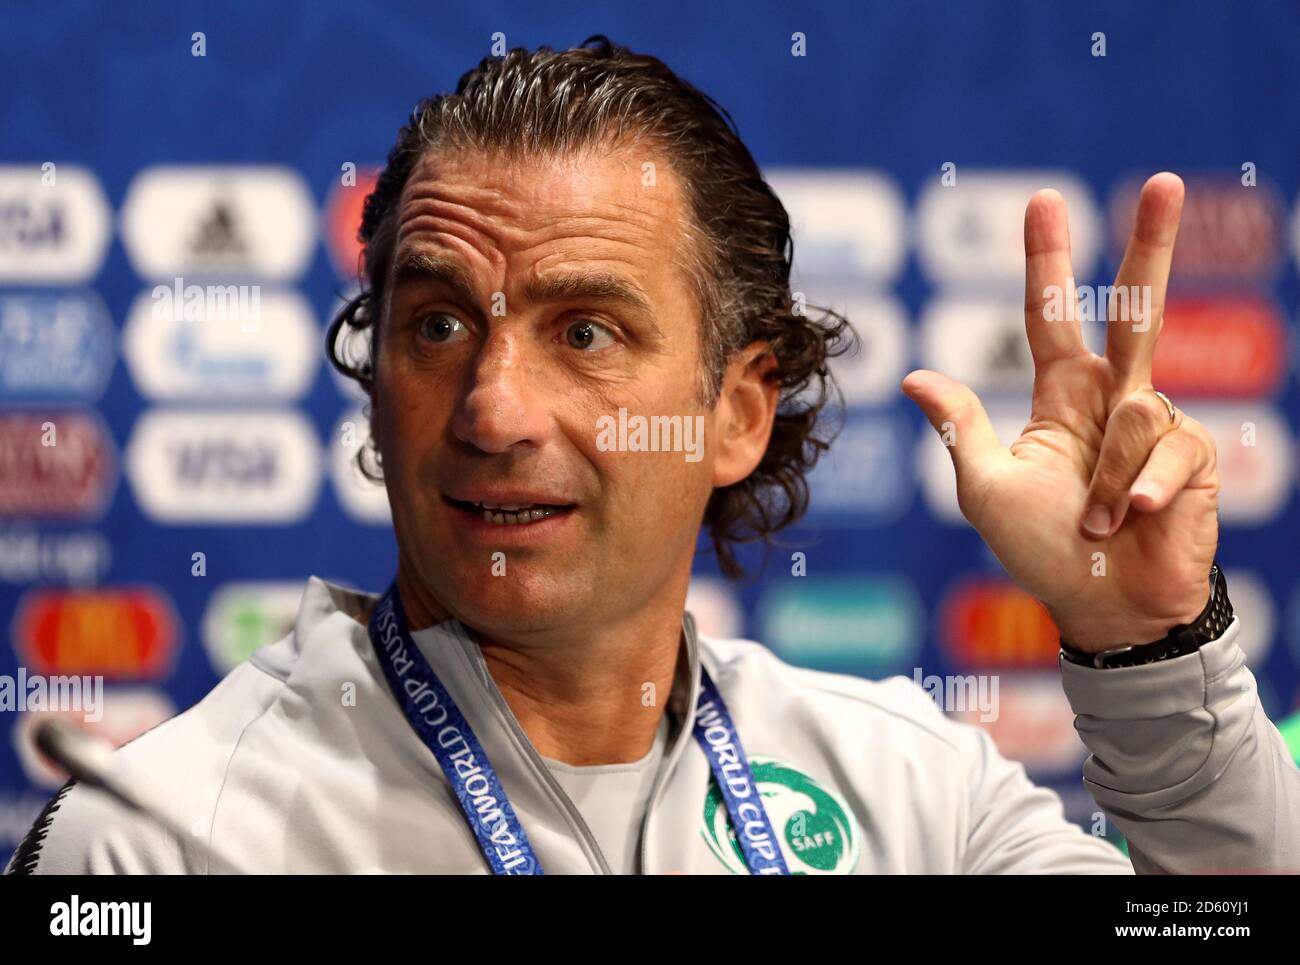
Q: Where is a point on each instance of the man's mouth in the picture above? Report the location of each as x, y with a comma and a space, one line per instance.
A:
511, 514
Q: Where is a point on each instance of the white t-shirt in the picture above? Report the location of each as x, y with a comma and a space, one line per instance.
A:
612, 799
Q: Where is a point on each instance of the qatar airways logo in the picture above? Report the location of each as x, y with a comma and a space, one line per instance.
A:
659, 433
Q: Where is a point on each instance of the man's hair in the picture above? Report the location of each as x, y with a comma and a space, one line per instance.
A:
739, 252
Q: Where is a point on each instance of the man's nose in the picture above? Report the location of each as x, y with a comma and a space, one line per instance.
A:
502, 405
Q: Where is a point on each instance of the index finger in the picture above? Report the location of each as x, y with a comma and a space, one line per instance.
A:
1137, 303
1051, 321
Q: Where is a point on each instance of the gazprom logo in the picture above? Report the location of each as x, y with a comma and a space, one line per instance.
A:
229, 342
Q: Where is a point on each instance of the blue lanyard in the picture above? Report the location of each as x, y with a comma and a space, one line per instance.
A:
717, 736
434, 716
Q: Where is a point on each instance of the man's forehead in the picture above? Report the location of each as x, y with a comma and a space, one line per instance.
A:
623, 191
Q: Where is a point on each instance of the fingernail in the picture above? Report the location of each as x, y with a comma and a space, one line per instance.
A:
1097, 521
1145, 487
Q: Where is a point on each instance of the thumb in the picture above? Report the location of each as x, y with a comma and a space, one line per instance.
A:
957, 414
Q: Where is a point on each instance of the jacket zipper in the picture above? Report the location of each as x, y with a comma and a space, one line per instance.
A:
540, 771
693, 661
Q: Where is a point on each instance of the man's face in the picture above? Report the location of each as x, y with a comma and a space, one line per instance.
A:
527, 300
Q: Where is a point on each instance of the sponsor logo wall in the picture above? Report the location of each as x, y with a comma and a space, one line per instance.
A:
175, 459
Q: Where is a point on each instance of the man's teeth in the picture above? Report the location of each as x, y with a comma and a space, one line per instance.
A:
514, 514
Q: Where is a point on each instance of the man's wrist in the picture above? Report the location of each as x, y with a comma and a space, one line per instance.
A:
1180, 640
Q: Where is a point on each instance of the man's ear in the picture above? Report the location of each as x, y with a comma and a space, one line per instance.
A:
742, 419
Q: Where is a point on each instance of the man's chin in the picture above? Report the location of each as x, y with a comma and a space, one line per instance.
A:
497, 605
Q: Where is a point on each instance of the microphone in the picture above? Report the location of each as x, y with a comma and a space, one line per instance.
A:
87, 760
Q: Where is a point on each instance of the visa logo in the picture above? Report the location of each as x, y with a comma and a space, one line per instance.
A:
259, 466
23, 225
209, 461
51, 233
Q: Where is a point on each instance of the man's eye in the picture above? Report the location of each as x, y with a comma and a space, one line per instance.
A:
441, 327
588, 335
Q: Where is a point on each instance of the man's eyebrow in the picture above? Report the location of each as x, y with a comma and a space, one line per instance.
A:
415, 267
420, 268
565, 285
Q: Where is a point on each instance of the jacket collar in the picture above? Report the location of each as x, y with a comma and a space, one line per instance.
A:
322, 600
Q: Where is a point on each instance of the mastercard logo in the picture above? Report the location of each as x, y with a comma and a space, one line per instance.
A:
116, 633
993, 623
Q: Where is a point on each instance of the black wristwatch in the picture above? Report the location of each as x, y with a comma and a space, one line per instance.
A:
1181, 640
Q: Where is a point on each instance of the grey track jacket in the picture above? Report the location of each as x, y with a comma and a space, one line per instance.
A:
300, 761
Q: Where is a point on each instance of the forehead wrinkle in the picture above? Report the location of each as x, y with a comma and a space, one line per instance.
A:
478, 203
457, 197
505, 192
587, 236
479, 233
485, 211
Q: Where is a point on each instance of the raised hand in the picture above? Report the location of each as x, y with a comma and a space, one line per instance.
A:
1101, 466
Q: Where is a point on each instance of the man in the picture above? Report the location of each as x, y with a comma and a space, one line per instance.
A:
578, 238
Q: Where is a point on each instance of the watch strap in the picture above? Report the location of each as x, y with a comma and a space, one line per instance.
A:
1183, 639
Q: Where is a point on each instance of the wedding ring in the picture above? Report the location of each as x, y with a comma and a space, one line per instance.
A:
1168, 405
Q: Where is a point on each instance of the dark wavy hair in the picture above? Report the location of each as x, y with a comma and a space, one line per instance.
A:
738, 257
